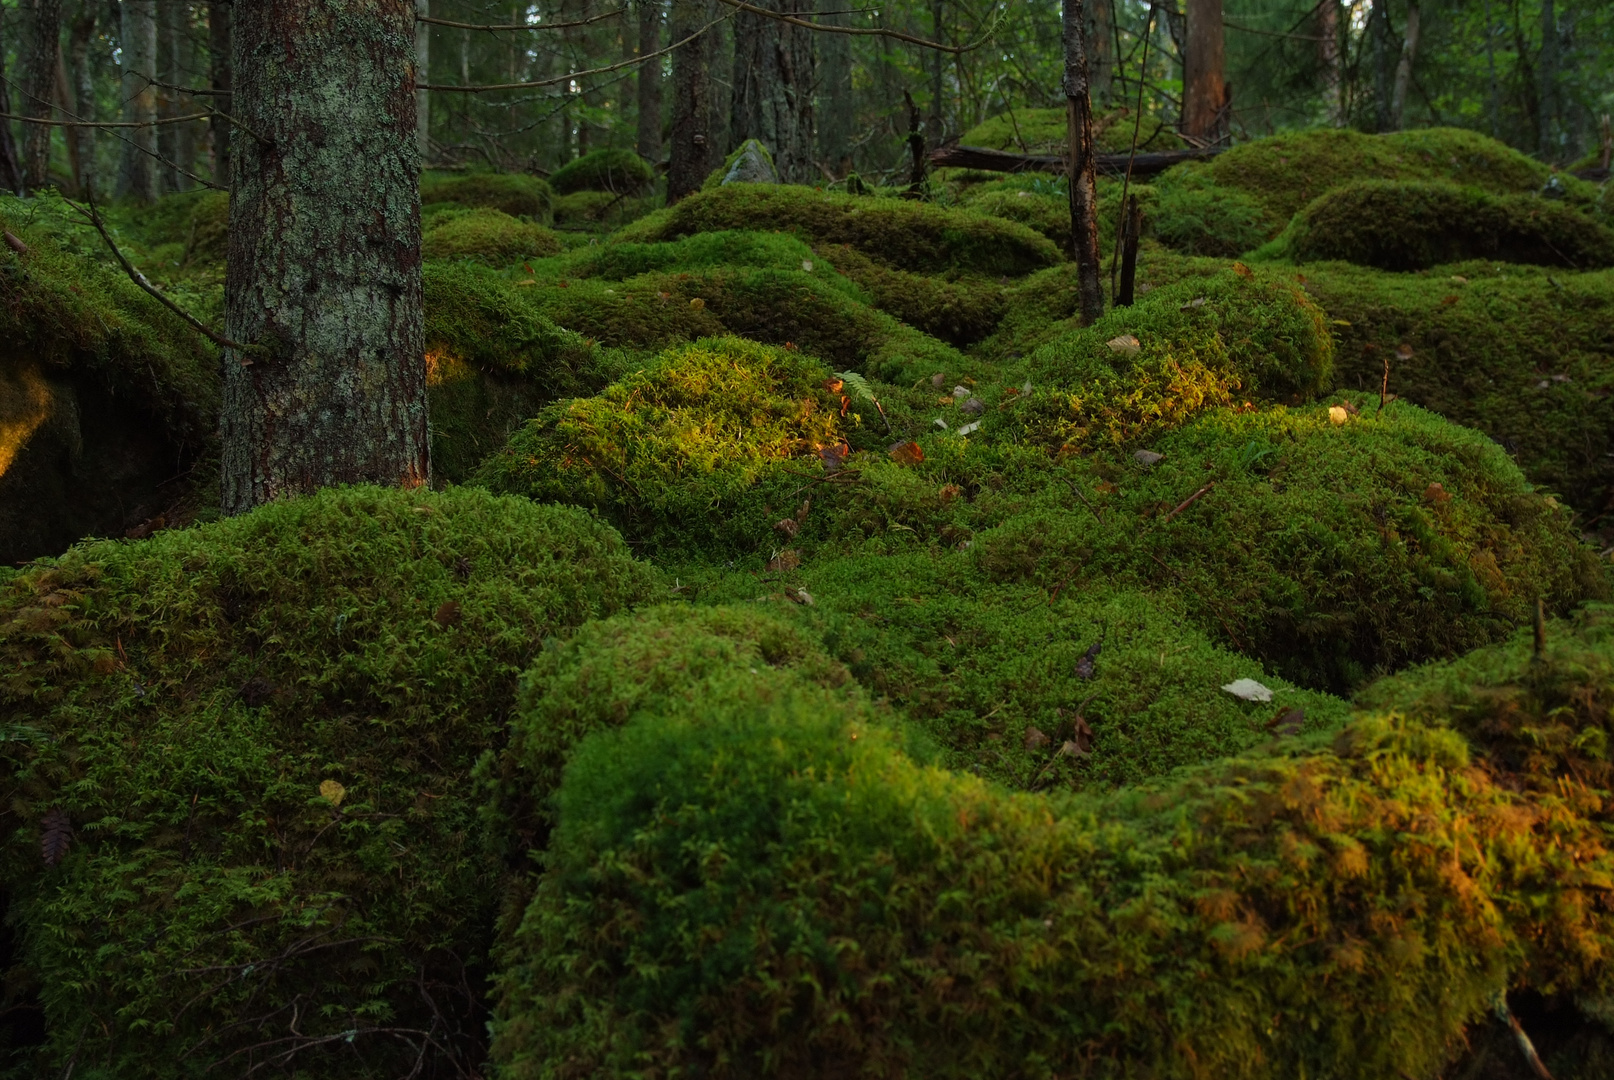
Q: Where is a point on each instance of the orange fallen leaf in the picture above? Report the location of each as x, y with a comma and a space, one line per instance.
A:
906, 453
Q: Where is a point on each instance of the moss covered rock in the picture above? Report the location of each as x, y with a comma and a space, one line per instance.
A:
751, 875
904, 235
618, 171
516, 194
257, 737
1412, 226
488, 236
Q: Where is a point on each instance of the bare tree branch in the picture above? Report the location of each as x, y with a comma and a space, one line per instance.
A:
496, 27
741, 5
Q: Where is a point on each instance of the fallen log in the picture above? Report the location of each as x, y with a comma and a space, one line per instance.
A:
979, 157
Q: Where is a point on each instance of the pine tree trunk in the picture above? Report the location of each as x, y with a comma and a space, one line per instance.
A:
649, 88
1204, 101
1101, 49
1083, 168
220, 80
773, 88
324, 258
10, 163
137, 179
1330, 60
423, 56
1403, 68
1378, 21
835, 103
39, 88
80, 35
694, 150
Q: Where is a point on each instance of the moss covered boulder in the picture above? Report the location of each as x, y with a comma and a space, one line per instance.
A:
1403, 226
487, 236
516, 194
618, 171
248, 747
751, 874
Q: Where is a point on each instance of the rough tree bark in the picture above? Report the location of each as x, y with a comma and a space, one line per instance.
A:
220, 81
137, 178
773, 88
649, 133
324, 260
39, 87
423, 56
694, 152
1082, 169
834, 110
1403, 67
1204, 101
1330, 59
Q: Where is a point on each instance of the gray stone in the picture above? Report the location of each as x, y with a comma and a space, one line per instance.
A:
1147, 458
751, 164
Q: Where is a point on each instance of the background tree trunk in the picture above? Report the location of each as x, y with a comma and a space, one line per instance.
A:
1330, 59
694, 150
10, 162
219, 77
773, 88
648, 135
1082, 172
1204, 101
1101, 50
1547, 77
39, 88
836, 108
937, 120
137, 179
176, 143
1378, 25
324, 257
81, 33
423, 56
1403, 67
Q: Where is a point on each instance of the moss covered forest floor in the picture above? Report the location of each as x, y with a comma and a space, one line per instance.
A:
823, 655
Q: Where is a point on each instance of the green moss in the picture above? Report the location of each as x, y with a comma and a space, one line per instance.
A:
487, 236
182, 700
750, 876
1044, 131
620, 172
903, 235
598, 211
1395, 225
517, 194
1522, 354
196, 222
957, 308
1198, 217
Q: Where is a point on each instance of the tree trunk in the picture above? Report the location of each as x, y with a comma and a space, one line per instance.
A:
835, 105
1083, 179
1378, 20
39, 88
1331, 60
423, 56
937, 119
324, 258
80, 35
773, 88
649, 133
10, 164
1101, 50
694, 152
137, 179
221, 81
65, 106
175, 142
1547, 79
1403, 68
1204, 102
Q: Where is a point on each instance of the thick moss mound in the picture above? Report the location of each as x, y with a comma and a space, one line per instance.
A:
903, 235
620, 172
1412, 226
671, 451
1524, 355
258, 737
487, 236
517, 194
599, 211
1196, 216
750, 876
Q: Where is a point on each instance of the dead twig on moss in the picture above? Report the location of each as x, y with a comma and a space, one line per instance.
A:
1074, 490
1186, 503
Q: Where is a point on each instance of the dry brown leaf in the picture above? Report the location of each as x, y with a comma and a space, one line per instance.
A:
448, 613
1035, 739
786, 560
906, 453
1126, 345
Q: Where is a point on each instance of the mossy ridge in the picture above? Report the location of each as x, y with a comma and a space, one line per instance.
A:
1523, 354
1285, 172
487, 236
1400, 225
903, 235
959, 309
183, 699
610, 169
517, 194
723, 847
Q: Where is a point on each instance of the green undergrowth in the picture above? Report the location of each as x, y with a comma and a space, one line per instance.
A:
191, 227
749, 874
903, 235
516, 194
1523, 354
486, 235
599, 211
261, 735
614, 170
1397, 225
1046, 131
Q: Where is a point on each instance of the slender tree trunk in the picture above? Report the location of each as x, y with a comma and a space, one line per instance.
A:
221, 81
423, 56
64, 106
935, 123
1331, 60
1403, 68
167, 72
39, 88
1204, 103
694, 151
10, 163
1494, 105
1100, 50
80, 35
773, 88
324, 259
1379, 29
1082, 171
177, 142
649, 133
1547, 79
835, 105
137, 179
